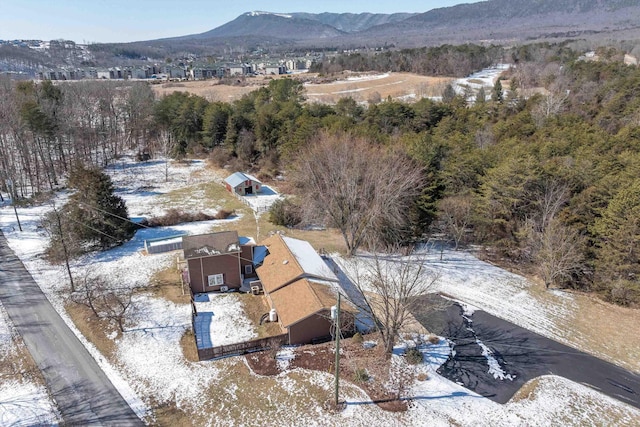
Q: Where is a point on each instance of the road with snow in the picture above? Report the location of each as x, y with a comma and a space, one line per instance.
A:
84, 394
495, 358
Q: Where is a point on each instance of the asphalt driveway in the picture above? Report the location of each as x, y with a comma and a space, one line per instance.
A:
494, 358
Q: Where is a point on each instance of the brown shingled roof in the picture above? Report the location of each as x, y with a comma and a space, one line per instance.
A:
295, 302
280, 266
304, 298
294, 296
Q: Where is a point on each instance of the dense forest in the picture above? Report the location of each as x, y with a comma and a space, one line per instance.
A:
544, 168
445, 60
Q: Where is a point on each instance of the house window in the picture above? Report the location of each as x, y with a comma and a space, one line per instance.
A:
216, 279
248, 269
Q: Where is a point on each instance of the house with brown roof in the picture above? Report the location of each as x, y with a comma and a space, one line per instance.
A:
218, 261
301, 289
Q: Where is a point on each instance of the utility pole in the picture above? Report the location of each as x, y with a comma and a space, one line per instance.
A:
337, 348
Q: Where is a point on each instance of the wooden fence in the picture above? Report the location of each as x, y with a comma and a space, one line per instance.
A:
260, 344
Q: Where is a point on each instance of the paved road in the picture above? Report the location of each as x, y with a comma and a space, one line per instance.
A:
84, 394
523, 355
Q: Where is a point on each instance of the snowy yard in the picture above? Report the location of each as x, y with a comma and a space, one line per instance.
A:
150, 369
221, 320
261, 202
479, 284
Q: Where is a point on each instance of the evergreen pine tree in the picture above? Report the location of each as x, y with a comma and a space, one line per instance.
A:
94, 217
481, 96
498, 94
102, 214
618, 253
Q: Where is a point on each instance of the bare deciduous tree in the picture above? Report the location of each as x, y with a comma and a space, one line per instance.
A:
556, 249
557, 252
105, 301
391, 285
56, 228
555, 196
455, 216
365, 191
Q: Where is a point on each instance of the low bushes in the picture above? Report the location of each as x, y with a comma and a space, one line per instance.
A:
177, 216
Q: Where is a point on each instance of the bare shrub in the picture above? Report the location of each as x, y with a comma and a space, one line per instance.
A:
219, 156
177, 216
286, 213
413, 356
357, 338
434, 339
223, 214
361, 375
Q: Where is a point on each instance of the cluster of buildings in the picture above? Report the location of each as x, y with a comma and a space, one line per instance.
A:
176, 72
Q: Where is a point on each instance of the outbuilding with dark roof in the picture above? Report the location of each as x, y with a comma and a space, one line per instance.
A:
243, 184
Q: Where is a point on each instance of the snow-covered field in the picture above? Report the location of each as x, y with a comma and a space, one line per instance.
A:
484, 78
150, 370
462, 276
261, 202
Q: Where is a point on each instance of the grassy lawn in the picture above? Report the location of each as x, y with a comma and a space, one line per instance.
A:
213, 195
254, 307
606, 330
17, 363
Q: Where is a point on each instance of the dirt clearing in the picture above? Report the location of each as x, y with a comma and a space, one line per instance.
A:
363, 87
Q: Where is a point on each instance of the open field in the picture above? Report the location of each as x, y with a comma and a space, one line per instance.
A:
208, 89
375, 87
360, 86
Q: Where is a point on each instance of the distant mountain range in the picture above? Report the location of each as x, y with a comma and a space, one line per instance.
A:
494, 21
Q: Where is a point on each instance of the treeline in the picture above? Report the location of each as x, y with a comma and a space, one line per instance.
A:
46, 128
445, 60
544, 169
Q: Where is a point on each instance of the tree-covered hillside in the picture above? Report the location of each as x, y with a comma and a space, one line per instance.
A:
543, 170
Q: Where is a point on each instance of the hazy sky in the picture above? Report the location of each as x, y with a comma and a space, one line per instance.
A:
132, 20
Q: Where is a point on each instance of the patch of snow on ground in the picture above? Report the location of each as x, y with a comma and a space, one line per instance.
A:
367, 77
228, 322
284, 357
261, 202
23, 403
152, 357
142, 185
494, 366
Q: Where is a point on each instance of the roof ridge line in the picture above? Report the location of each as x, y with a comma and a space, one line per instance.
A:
313, 291
295, 259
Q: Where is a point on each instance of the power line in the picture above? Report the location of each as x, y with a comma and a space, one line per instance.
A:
114, 215
94, 229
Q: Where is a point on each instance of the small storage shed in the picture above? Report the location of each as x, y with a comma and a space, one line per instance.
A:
243, 184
